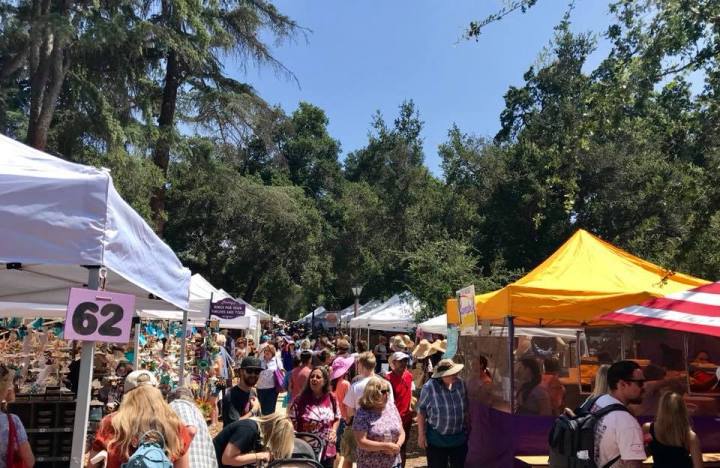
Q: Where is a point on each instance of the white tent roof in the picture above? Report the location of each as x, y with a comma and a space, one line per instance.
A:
56, 216
438, 325
318, 312
395, 314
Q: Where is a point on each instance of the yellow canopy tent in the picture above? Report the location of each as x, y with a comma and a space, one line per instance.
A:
584, 279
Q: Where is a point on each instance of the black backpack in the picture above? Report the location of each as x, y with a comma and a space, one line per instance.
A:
572, 438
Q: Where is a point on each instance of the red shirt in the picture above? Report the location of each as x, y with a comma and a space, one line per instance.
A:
298, 378
402, 391
115, 459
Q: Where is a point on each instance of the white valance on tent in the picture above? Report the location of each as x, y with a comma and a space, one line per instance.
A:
60, 222
438, 326
395, 314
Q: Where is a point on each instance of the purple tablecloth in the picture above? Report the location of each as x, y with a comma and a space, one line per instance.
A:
497, 437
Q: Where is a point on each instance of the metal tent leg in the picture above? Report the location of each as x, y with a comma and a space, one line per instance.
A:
82, 406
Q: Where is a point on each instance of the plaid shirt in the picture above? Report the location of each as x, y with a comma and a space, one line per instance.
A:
444, 409
202, 450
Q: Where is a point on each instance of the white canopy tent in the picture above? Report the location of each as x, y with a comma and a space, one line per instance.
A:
395, 314
438, 326
319, 311
348, 313
64, 225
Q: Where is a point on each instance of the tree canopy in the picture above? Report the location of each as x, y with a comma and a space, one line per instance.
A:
265, 205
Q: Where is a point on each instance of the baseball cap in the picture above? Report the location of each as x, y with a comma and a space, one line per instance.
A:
138, 378
250, 362
398, 356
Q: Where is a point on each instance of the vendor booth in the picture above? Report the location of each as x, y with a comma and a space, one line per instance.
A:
64, 225
397, 314
585, 279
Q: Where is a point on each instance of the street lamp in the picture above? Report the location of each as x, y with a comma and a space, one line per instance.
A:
357, 289
312, 322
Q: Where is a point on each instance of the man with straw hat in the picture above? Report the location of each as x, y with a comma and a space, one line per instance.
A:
422, 353
442, 417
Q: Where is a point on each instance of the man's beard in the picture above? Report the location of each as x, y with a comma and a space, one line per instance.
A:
250, 381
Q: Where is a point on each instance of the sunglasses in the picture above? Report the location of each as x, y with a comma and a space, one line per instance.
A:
639, 382
252, 371
385, 392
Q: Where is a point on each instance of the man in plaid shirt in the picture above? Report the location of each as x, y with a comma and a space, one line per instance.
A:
202, 451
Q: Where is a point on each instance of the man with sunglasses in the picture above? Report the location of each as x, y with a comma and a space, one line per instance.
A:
241, 401
618, 435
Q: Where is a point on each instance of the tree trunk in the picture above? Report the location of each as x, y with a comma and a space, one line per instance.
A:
166, 125
49, 63
252, 287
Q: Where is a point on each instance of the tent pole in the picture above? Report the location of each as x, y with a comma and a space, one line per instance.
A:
82, 405
183, 349
136, 354
511, 359
578, 357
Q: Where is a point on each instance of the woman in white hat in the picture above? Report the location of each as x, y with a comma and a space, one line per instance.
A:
442, 417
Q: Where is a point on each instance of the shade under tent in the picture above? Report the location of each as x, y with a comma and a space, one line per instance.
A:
64, 225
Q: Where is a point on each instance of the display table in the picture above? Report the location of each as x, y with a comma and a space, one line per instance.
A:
48, 421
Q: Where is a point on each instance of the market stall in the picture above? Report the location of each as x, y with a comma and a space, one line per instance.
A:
397, 314
583, 280
64, 225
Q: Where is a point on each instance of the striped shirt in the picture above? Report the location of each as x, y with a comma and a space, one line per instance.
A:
444, 409
202, 450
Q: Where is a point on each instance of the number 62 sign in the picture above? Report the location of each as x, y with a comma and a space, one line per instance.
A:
99, 316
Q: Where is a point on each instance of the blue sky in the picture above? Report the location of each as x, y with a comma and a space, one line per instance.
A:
362, 56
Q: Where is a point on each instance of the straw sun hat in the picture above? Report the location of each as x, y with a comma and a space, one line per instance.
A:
423, 350
446, 367
409, 343
397, 343
440, 346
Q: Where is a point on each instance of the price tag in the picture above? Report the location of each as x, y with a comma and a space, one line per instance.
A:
99, 316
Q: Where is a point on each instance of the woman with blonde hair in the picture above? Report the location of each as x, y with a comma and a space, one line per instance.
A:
142, 410
221, 371
11, 425
377, 427
254, 441
673, 444
267, 392
599, 388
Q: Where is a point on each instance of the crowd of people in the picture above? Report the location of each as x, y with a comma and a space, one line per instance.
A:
345, 405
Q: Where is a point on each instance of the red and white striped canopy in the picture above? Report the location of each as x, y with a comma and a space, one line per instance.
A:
696, 311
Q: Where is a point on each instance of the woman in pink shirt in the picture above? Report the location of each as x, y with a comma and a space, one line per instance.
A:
340, 386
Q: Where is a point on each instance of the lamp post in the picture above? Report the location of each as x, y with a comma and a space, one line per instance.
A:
357, 289
312, 323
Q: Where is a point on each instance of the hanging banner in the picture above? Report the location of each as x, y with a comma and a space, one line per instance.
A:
99, 316
466, 308
227, 309
331, 319
453, 335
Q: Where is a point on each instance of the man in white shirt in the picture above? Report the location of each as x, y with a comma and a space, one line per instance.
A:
618, 435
